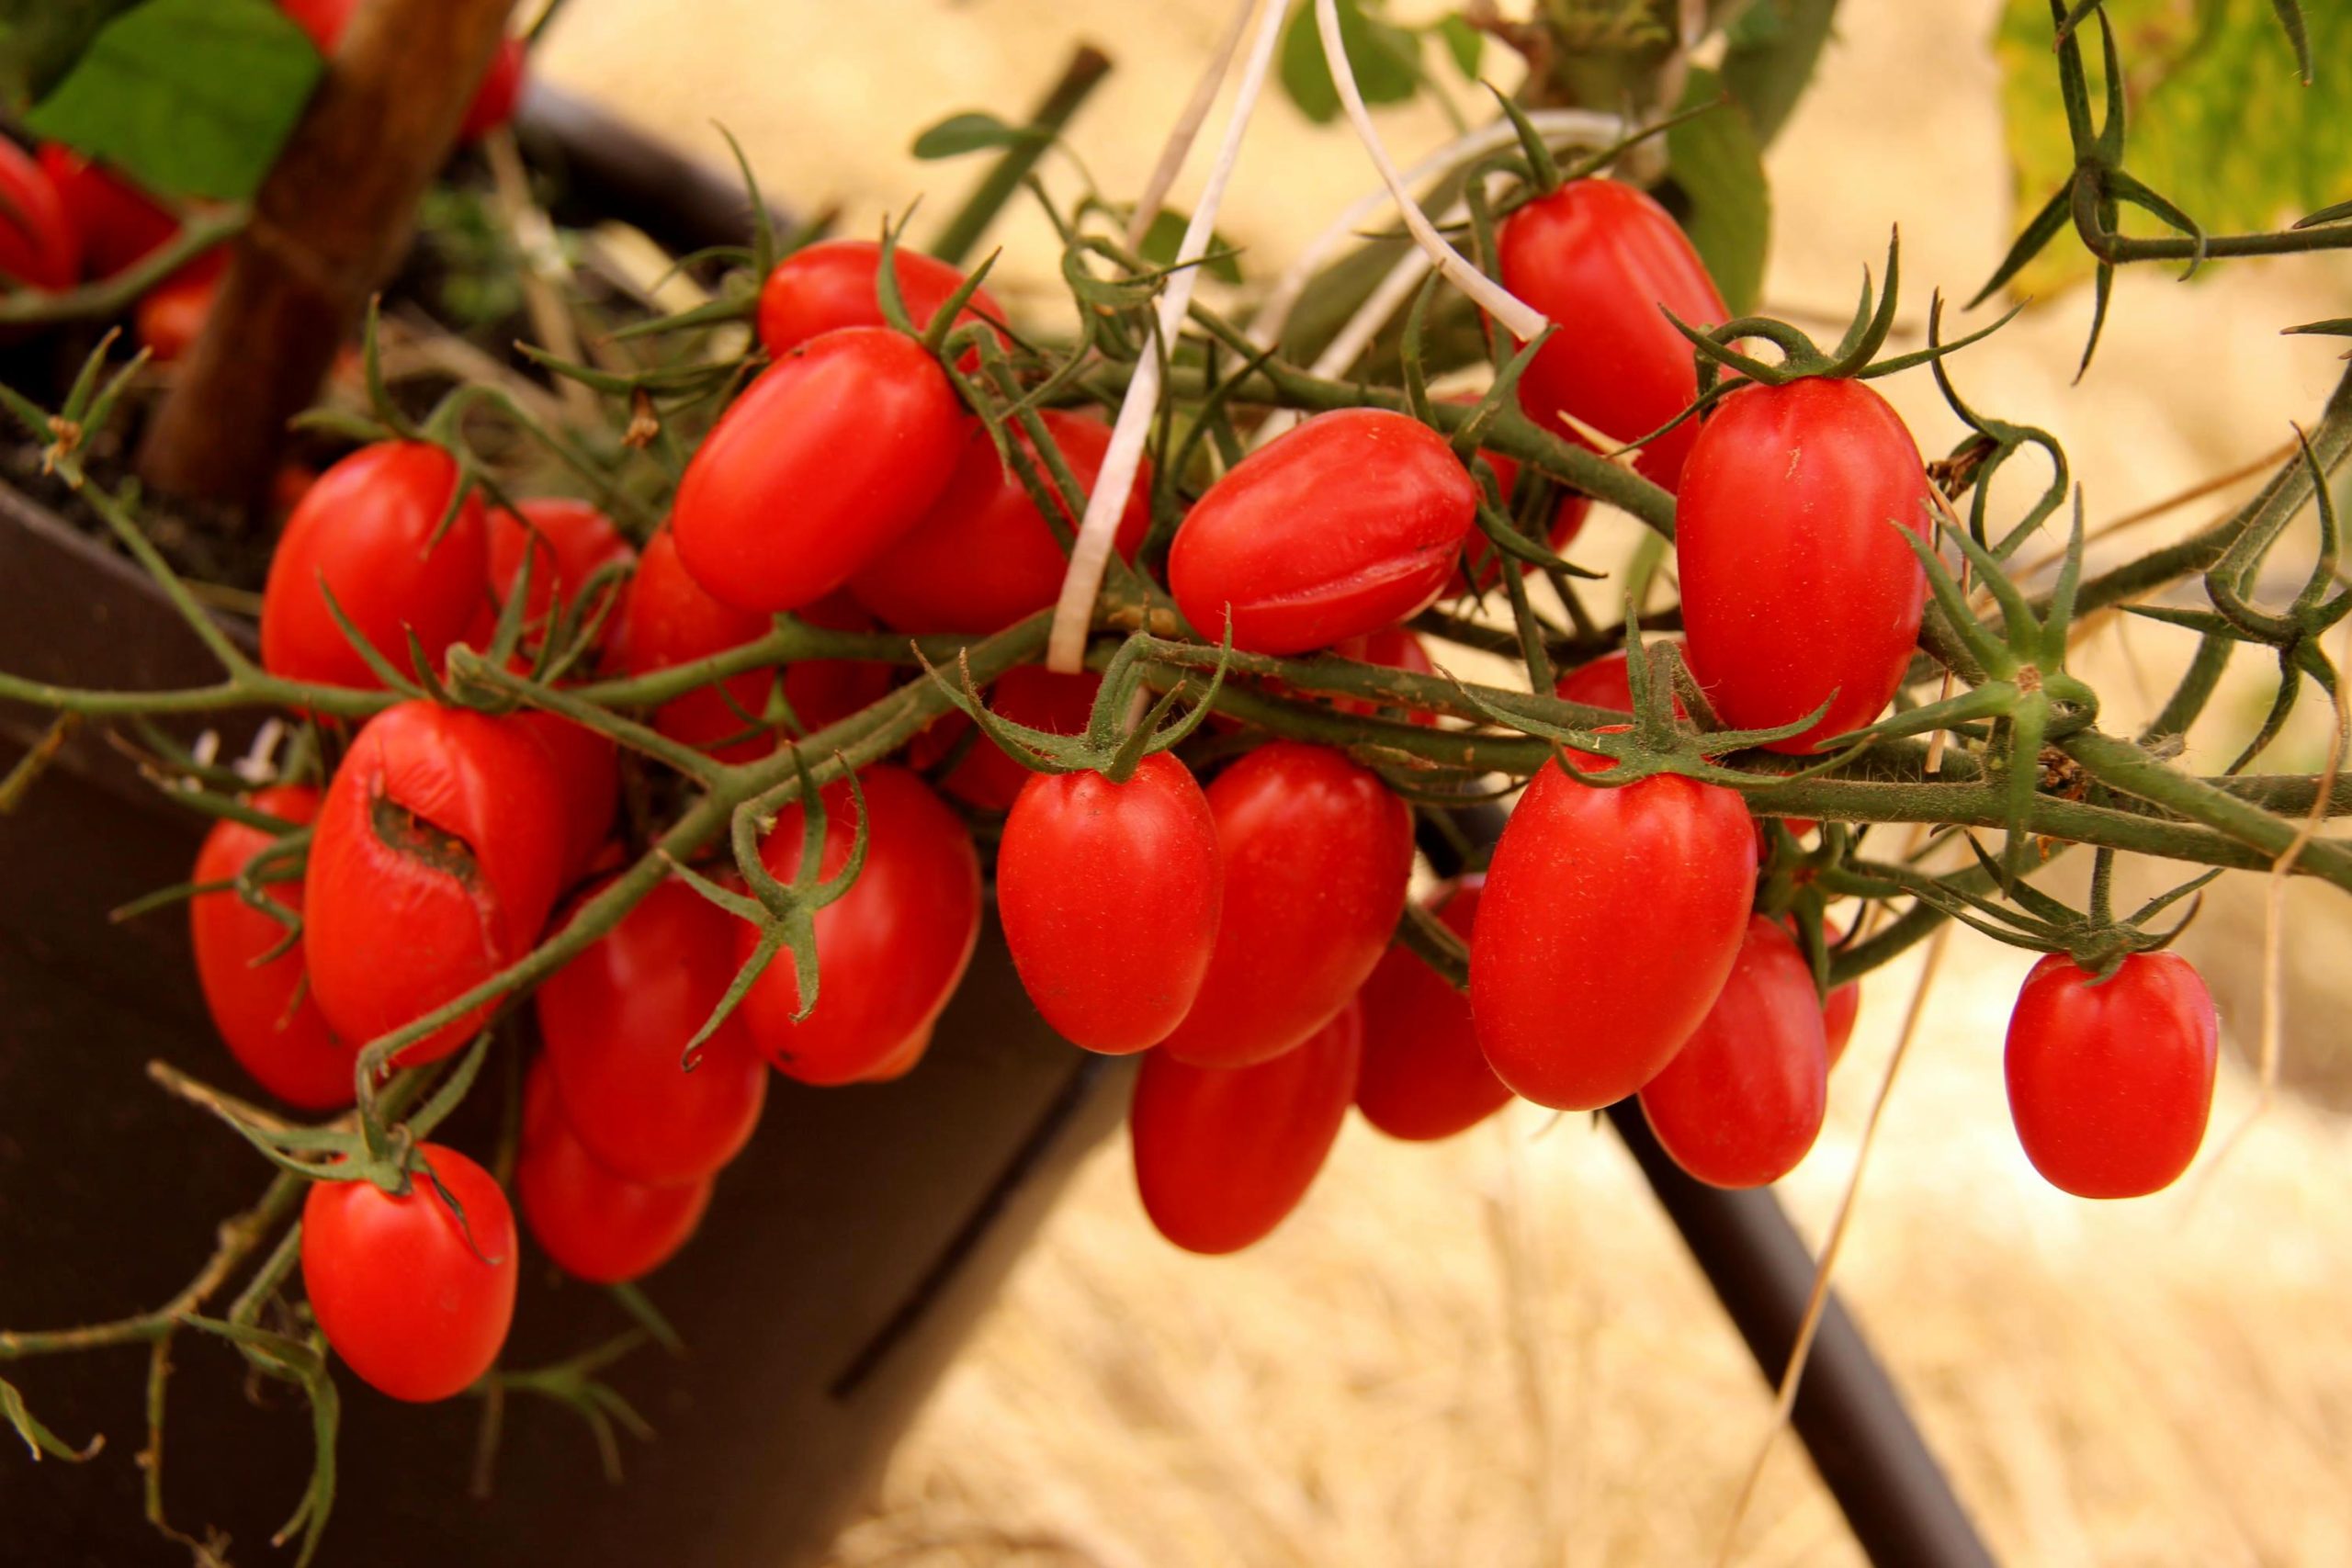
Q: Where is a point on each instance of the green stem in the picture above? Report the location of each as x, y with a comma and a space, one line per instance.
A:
113, 296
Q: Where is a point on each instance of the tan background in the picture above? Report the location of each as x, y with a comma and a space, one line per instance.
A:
1496, 1351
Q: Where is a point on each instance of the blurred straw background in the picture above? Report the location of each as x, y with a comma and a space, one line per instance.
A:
1496, 1351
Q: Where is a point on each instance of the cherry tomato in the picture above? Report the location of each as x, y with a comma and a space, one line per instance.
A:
39, 248
118, 224
616, 1020
1109, 895
825, 287
367, 528
415, 1299
1348, 524
2110, 1081
1609, 922
1839, 1009
1027, 694
170, 317
493, 104
835, 452
667, 619
1568, 521
568, 541
597, 1226
1600, 257
1316, 852
1424, 1076
1742, 1102
265, 1011
1795, 585
1223, 1154
436, 857
890, 951
982, 557
903, 1060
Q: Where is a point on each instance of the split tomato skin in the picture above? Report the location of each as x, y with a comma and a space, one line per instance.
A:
833, 453
367, 530
615, 1021
830, 285
117, 224
1601, 256
1346, 525
39, 247
436, 855
1223, 1154
1316, 853
414, 1299
1742, 1102
891, 952
1108, 893
1028, 694
264, 1012
1424, 1078
1610, 920
597, 1226
983, 556
1795, 585
2111, 1082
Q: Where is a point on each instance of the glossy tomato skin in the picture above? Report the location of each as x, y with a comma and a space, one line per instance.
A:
1030, 695
1108, 893
367, 529
1600, 257
667, 619
830, 285
1796, 584
1316, 852
890, 951
616, 1022
983, 557
1610, 919
414, 1301
835, 452
272, 1024
1348, 524
1424, 1076
436, 855
1223, 1154
588, 778
1742, 1102
2110, 1083
117, 224
1839, 1009
597, 1226
39, 248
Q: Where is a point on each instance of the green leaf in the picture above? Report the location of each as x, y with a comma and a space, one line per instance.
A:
1770, 49
1719, 163
1167, 232
2221, 122
971, 131
40, 41
190, 97
1464, 42
1386, 60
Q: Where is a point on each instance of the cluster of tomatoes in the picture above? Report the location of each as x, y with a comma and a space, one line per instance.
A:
1237, 935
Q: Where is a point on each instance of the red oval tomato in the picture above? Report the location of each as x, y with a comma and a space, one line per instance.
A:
1610, 919
493, 104
1029, 694
1424, 1076
1600, 257
616, 1020
1223, 1154
982, 557
367, 529
436, 855
2110, 1081
835, 451
415, 1299
903, 1060
1742, 1102
118, 224
667, 620
890, 951
1109, 894
1348, 524
266, 1012
170, 317
830, 285
1316, 852
39, 248
1839, 1009
1795, 585
596, 1226
568, 542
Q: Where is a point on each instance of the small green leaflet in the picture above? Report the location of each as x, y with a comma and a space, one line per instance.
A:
1386, 60
1167, 232
971, 131
1463, 41
1719, 163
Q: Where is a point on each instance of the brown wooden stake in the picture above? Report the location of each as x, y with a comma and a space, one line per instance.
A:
329, 224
